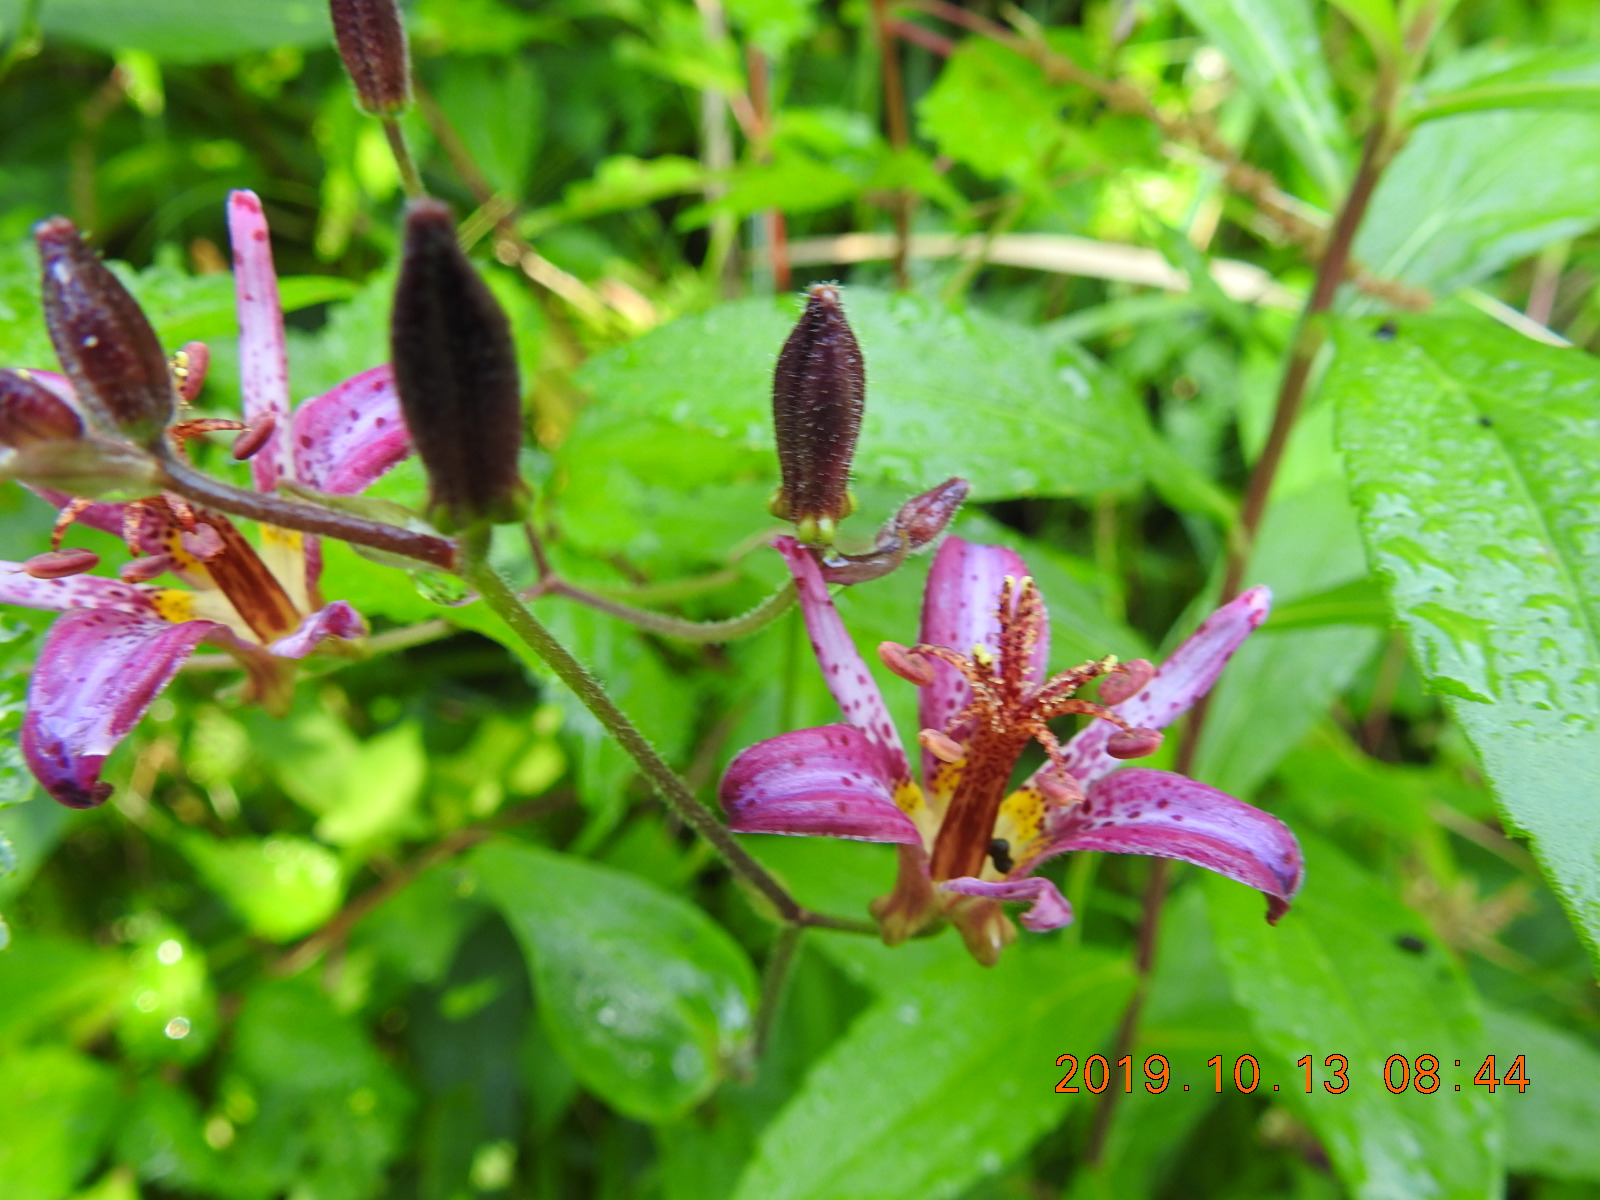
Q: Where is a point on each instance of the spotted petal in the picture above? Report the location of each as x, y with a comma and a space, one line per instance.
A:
97, 674
1047, 909
1141, 811
75, 591
826, 782
263, 362
336, 620
960, 609
846, 675
349, 436
1186, 676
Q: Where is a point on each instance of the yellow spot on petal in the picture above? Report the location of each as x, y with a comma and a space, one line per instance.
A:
1021, 823
908, 798
174, 605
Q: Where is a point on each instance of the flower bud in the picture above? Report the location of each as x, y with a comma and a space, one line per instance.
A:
1126, 680
372, 42
32, 413
101, 336
923, 518
1138, 742
818, 392
456, 373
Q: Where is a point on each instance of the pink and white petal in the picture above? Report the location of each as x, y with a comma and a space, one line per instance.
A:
846, 675
336, 620
75, 591
1180, 681
1047, 908
960, 609
96, 676
263, 361
826, 782
1143, 811
350, 435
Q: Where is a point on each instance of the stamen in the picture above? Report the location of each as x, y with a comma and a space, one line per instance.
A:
143, 570
189, 370
1059, 788
942, 746
64, 519
1126, 680
906, 663
58, 564
1137, 742
203, 542
255, 437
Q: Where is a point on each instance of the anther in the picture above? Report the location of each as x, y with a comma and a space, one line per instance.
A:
58, 564
942, 746
1137, 742
189, 370
1126, 680
255, 437
1059, 788
906, 663
204, 542
143, 570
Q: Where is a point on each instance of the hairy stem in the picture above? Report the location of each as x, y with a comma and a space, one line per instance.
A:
774, 983
758, 618
201, 488
410, 177
894, 105
500, 597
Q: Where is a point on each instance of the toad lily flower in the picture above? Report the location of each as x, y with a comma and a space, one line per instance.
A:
119, 642
966, 839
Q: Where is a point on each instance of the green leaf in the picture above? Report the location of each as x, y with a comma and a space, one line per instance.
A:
57, 1108
497, 106
647, 999
995, 402
1550, 1127
1564, 97
281, 886
1472, 458
1330, 978
1376, 21
1470, 193
186, 31
1273, 47
946, 1078
993, 110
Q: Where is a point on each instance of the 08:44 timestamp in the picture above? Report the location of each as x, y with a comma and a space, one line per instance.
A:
1399, 1074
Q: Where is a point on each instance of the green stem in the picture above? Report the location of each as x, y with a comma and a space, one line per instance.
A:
25, 42
410, 177
759, 617
500, 597
774, 982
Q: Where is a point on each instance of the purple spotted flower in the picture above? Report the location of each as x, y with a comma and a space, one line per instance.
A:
118, 642
967, 839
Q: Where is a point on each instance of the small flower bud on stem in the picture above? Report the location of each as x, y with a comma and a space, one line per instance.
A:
456, 372
818, 392
372, 42
105, 343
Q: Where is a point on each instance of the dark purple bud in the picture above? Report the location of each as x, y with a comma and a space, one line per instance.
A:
818, 393
1126, 680
101, 336
58, 564
32, 413
1137, 742
456, 373
372, 42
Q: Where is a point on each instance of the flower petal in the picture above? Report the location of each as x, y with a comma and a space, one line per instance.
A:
1186, 676
1048, 908
75, 591
97, 673
336, 620
1142, 811
263, 362
349, 436
960, 609
842, 669
827, 782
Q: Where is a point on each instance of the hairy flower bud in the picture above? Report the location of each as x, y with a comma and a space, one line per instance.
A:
105, 343
818, 392
31, 413
372, 42
456, 372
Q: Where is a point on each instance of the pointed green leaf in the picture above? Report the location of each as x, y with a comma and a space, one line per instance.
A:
1472, 457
